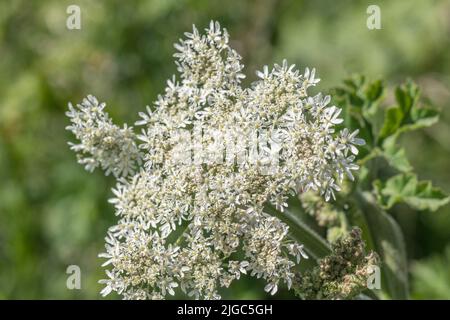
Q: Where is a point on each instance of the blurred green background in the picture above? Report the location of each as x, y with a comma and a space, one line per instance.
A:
54, 214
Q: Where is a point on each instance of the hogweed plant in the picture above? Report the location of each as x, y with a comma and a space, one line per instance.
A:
223, 180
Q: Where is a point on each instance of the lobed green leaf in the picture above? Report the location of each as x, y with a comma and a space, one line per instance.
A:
405, 187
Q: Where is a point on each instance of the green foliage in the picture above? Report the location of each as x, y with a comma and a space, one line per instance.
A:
52, 214
431, 277
396, 156
405, 188
407, 114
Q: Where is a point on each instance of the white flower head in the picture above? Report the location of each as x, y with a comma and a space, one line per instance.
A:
181, 222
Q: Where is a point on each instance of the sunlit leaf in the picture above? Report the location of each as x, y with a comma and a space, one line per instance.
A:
395, 155
420, 195
408, 114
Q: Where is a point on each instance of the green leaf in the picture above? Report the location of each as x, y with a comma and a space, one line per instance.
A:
420, 195
407, 114
407, 96
392, 121
422, 117
395, 155
374, 90
387, 240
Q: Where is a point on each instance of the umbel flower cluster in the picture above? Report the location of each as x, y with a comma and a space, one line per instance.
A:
198, 225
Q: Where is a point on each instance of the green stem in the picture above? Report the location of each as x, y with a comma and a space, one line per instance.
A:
315, 245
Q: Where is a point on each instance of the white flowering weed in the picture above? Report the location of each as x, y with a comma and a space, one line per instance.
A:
198, 225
